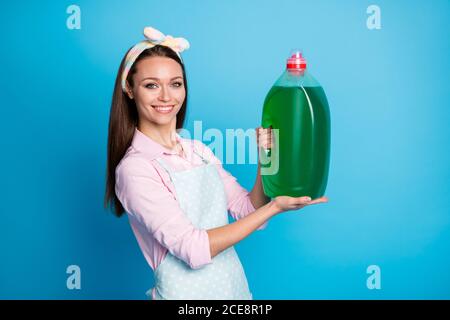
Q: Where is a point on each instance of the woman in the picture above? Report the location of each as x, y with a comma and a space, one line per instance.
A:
175, 191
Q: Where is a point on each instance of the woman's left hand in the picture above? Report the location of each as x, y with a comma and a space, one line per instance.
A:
264, 137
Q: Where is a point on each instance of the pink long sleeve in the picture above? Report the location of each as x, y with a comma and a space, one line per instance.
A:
146, 198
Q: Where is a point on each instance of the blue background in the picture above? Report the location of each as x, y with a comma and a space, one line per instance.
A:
389, 179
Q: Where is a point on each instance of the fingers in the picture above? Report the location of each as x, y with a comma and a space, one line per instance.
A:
287, 203
308, 201
302, 200
264, 137
319, 200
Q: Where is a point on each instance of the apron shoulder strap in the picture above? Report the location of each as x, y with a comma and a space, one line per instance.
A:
165, 166
203, 159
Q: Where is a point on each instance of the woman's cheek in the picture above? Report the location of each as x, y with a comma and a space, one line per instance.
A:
181, 95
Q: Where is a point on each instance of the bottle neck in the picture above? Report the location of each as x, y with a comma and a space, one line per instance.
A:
296, 71
296, 78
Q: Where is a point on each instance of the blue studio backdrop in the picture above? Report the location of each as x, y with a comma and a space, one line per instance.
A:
385, 232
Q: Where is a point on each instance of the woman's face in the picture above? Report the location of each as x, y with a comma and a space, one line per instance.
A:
158, 90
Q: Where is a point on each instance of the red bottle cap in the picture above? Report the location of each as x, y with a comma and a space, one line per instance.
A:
296, 61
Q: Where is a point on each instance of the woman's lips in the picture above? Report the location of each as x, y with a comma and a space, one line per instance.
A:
163, 109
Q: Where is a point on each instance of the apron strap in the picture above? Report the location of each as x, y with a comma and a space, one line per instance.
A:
167, 167
203, 159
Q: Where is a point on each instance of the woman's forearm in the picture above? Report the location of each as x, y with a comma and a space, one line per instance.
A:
224, 237
257, 196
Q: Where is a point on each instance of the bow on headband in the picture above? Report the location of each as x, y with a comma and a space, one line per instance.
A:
154, 37
157, 37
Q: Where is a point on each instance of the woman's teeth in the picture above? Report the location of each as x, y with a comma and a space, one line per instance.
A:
163, 109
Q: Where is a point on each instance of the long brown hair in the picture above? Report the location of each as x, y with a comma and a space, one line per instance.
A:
123, 119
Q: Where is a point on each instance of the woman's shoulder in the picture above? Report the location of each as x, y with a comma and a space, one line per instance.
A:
133, 163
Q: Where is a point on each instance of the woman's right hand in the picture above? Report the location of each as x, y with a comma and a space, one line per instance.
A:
287, 203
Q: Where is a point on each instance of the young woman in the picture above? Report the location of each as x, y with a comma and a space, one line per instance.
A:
175, 191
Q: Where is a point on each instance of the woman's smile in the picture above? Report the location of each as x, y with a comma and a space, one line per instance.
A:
164, 109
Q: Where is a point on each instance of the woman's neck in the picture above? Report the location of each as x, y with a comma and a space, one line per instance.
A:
164, 135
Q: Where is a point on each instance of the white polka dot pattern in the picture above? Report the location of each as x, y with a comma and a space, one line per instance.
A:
202, 197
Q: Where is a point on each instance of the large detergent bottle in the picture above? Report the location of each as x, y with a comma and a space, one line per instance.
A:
296, 109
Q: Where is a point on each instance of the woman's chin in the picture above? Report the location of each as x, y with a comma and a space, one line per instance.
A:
162, 120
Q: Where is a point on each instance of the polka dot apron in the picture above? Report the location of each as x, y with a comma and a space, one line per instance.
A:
201, 196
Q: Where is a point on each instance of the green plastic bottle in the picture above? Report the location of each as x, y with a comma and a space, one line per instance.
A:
297, 110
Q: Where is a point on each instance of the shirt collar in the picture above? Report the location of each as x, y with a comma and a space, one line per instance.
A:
152, 149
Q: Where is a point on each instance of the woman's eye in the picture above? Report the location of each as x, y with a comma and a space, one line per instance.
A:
150, 85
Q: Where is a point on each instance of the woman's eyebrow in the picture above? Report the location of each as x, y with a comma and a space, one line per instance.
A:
153, 78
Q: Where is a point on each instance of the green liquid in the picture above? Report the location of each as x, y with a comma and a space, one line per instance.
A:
302, 148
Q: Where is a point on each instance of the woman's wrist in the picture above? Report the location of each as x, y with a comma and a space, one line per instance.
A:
273, 208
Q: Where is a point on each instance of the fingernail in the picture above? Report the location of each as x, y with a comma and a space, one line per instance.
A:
308, 199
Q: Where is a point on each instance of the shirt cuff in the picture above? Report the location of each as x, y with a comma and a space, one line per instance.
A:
202, 255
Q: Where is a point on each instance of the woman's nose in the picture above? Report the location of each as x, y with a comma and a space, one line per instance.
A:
164, 94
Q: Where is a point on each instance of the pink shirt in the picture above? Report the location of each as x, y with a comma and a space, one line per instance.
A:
148, 196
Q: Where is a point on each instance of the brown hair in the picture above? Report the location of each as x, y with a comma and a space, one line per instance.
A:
123, 119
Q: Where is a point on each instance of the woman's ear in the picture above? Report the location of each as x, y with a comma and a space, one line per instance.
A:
129, 91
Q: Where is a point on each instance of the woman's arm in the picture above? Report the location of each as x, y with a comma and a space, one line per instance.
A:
257, 196
223, 237
226, 236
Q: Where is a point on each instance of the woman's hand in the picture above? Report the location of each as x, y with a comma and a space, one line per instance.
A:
286, 203
264, 137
